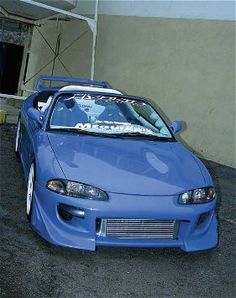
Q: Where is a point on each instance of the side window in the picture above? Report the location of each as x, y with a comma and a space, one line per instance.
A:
47, 104
43, 100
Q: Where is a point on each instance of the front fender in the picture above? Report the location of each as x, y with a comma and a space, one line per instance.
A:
47, 166
204, 171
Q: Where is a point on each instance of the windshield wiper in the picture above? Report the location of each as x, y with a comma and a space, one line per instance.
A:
75, 130
143, 135
85, 132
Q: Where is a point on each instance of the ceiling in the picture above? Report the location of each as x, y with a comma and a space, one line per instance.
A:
32, 12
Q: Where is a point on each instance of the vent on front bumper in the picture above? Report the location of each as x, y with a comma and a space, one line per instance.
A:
138, 228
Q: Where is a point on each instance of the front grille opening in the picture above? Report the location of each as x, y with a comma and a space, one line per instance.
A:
138, 228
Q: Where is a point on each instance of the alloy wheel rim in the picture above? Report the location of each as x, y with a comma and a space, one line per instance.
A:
30, 188
17, 136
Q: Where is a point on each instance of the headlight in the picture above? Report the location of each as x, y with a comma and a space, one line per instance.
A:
77, 189
198, 196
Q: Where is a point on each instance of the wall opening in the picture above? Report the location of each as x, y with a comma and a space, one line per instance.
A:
10, 66
14, 41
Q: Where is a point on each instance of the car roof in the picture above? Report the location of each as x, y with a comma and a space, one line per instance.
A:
108, 91
89, 89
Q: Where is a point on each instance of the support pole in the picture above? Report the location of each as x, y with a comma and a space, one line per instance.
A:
27, 44
94, 41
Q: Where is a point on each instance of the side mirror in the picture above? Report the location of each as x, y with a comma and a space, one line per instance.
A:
176, 126
35, 115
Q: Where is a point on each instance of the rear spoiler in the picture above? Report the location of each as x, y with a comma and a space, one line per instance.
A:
39, 84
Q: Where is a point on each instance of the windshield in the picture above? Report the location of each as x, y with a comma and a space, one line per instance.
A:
107, 115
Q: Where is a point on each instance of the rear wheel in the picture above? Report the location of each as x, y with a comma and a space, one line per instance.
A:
17, 137
30, 191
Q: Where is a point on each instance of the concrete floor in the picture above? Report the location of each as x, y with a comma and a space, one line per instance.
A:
31, 267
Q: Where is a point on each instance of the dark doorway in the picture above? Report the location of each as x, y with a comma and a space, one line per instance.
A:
10, 66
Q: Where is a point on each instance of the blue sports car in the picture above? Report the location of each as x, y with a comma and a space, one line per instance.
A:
104, 169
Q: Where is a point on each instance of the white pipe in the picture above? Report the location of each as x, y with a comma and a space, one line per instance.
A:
12, 96
94, 41
17, 18
41, 21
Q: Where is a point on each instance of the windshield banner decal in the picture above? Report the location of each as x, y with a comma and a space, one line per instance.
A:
115, 126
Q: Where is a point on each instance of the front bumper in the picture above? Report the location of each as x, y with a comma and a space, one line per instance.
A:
82, 231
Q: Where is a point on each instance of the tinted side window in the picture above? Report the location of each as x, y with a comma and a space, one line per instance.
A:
42, 98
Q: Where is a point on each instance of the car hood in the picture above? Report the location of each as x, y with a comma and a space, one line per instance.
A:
129, 166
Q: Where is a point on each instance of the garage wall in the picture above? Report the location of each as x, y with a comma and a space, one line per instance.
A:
186, 66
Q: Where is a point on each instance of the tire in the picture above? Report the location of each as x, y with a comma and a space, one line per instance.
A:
30, 191
17, 137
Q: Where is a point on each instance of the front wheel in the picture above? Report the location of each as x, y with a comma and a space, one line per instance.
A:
30, 191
